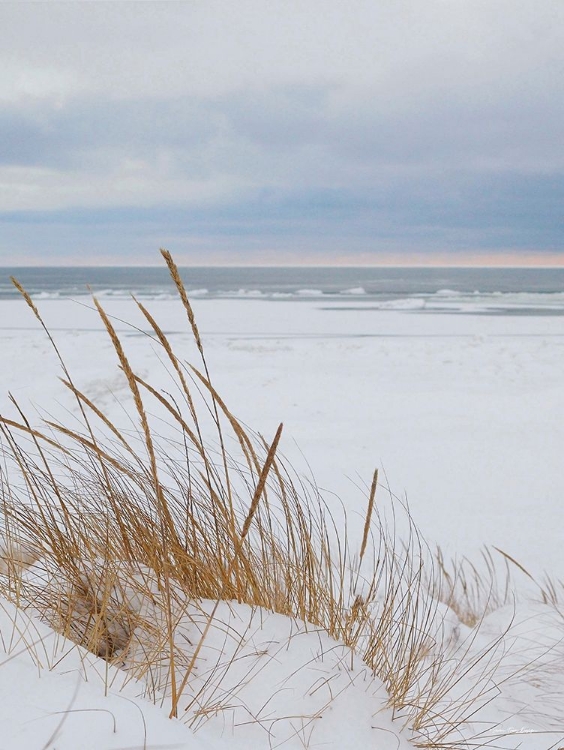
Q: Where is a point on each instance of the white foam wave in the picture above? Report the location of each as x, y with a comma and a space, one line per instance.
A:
497, 301
112, 293
442, 299
241, 293
409, 303
357, 290
47, 295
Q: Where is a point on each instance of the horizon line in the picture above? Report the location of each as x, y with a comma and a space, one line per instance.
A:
294, 265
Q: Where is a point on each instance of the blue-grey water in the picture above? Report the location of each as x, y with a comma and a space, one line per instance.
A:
280, 283
476, 291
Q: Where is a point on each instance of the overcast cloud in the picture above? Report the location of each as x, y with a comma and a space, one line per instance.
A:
282, 131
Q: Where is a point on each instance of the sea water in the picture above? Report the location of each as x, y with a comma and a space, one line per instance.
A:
481, 290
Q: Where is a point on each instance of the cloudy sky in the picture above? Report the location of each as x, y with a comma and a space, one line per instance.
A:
291, 131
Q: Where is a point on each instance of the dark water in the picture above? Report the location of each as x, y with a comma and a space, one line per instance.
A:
297, 282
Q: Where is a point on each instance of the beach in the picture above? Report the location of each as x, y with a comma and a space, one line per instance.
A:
459, 405
453, 397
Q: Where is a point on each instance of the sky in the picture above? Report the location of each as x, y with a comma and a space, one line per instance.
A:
282, 132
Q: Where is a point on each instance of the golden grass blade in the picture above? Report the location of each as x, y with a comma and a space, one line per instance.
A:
181, 289
369, 511
513, 561
261, 484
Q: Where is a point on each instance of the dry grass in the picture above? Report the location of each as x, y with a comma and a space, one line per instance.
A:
129, 530
473, 590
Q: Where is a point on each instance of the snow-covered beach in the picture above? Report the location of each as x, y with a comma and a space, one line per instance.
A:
457, 402
460, 405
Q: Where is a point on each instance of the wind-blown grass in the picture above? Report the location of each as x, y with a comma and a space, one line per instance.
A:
126, 532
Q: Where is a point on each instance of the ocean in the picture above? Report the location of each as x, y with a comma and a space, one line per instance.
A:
510, 290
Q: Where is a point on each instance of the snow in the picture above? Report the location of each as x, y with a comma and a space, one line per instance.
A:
262, 680
55, 695
462, 412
